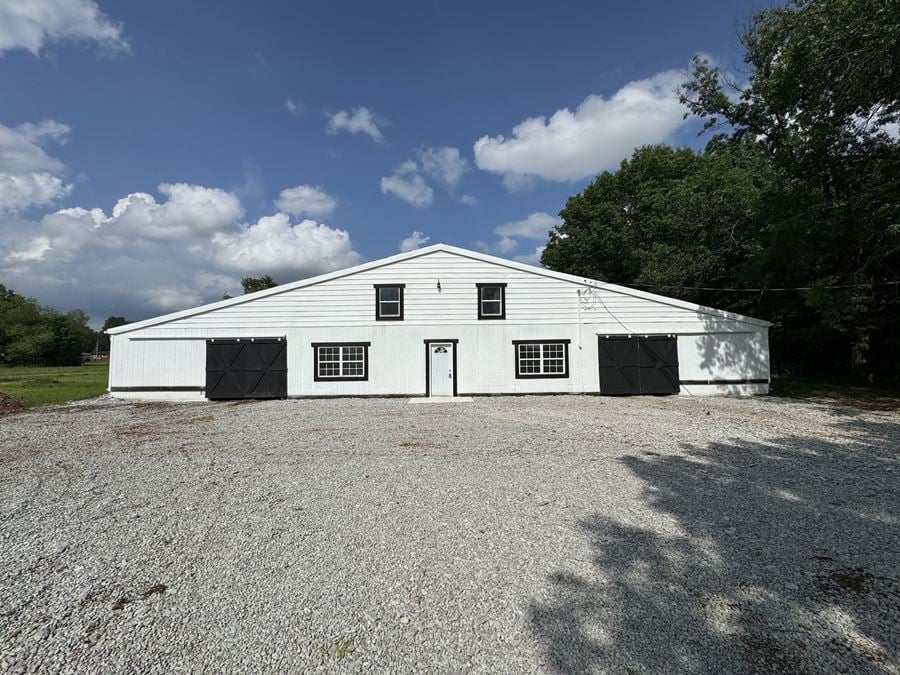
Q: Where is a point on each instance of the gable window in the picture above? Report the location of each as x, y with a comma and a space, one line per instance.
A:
340, 361
491, 301
389, 302
541, 358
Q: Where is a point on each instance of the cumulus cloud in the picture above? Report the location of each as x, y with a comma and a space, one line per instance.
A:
412, 242
598, 135
156, 253
44, 130
293, 107
280, 248
469, 200
407, 184
443, 164
534, 226
306, 200
31, 24
360, 121
188, 210
34, 251
28, 175
503, 246
532, 258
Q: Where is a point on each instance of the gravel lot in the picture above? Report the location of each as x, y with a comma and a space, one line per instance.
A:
558, 534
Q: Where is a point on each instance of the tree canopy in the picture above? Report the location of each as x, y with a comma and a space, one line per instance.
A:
34, 335
253, 284
798, 188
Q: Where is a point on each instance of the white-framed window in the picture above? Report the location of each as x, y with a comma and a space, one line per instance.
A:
389, 302
541, 358
341, 361
491, 301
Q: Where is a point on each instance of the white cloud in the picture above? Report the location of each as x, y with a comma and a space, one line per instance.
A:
306, 200
469, 200
34, 251
293, 107
279, 248
598, 135
503, 246
360, 121
532, 258
407, 184
159, 253
535, 226
443, 164
31, 24
412, 242
28, 175
189, 210
45, 129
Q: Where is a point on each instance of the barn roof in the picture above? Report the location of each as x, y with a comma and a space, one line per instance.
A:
512, 264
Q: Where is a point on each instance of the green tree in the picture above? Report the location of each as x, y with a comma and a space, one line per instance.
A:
823, 102
800, 188
34, 335
111, 322
253, 284
667, 217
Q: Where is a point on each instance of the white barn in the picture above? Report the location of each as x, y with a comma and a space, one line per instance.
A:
440, 321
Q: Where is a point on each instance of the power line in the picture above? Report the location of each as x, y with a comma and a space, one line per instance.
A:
764, 290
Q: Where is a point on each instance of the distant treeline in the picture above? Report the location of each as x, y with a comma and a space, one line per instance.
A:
34, 335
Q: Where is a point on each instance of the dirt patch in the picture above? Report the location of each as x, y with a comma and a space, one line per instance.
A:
156, 589
10, 404
418, 445
136, 432
876, 405
196, 420
847, 580
121, 602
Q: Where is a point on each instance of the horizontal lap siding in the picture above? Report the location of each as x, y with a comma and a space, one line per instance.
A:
350, 300
342, 310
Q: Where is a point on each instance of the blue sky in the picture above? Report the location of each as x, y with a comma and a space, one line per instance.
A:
378, 119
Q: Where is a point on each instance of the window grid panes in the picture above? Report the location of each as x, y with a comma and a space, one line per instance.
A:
346, 361
541, 359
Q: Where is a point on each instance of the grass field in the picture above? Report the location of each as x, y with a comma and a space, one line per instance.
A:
44, 386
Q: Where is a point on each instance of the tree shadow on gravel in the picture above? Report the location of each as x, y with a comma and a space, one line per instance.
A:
776, 556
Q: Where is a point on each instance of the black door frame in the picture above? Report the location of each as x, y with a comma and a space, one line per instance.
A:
428, 343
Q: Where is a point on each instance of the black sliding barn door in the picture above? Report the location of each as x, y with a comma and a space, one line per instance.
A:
619, 371
638, 365
245, 369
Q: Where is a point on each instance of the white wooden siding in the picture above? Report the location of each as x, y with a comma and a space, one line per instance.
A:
538, 307
351, 300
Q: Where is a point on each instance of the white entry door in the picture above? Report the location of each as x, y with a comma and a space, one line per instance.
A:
441, 375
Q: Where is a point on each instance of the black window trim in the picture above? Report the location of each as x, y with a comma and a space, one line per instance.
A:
355, 378
540, 376
494, 284
378, 316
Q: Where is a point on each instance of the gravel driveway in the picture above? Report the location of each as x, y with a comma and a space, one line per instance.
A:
562, 534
